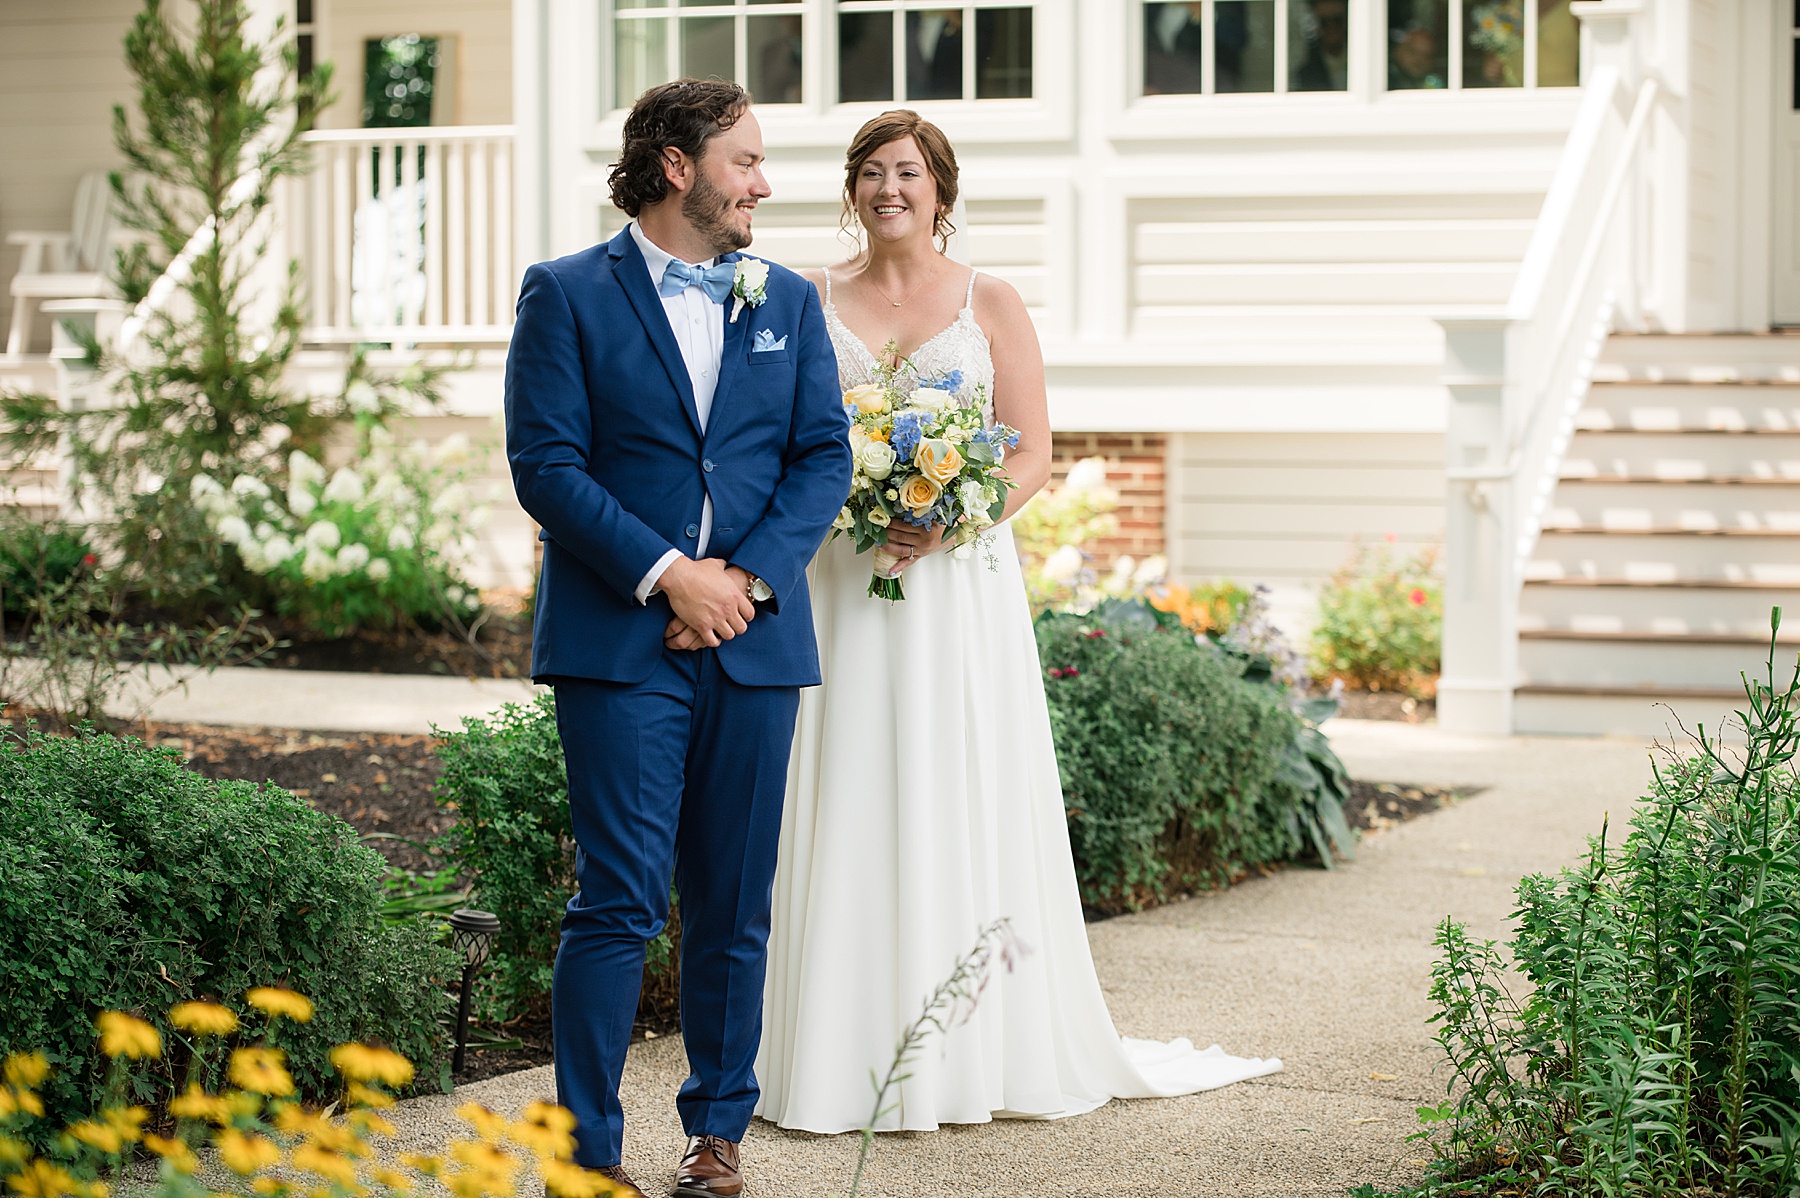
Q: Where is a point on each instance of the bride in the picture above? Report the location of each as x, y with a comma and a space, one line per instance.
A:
923, 800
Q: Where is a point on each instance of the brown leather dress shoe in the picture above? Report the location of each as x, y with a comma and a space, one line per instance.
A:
709, 1169
617, 1175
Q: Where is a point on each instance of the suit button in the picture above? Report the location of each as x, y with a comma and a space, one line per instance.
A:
693, 530
707, 465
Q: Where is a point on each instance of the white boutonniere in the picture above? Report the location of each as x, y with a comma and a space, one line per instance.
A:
749, 285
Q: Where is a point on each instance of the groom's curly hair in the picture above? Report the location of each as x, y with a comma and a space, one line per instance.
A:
683, 115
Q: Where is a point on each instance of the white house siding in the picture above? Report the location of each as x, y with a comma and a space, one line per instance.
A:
61, 71
477, 35
1284, 509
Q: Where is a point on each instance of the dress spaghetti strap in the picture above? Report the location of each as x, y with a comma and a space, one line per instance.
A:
827, 271
968, 300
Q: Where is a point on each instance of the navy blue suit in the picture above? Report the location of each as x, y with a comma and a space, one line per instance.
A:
677, 761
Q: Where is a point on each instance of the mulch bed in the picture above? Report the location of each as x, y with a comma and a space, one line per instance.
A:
380, 783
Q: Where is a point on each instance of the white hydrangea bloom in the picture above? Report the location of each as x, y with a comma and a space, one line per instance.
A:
302, 470
452, 450
248, 486
275, 550
380, 570
352, 558
318, 566
301, 501
323, 534
345, 487
401, 538
1064, 565
233, 530
1086, 475
361, 397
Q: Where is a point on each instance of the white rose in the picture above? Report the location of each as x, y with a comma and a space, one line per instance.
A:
401, 539
361, 397
753, 274
380, 570
931, 399
859, 437
323, 534
1064, 565
876, 460
973, 496
352, 558
344, 487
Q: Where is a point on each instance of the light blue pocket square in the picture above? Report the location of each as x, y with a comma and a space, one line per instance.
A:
764, 342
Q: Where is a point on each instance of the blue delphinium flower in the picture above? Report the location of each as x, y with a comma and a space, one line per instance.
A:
950, 381
907, 432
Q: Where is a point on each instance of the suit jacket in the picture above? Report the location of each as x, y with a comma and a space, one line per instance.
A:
608, 457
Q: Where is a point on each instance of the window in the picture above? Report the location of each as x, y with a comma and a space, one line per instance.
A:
303, 36
1495, 43
755, 42
979, 51
1217, 47
399, 77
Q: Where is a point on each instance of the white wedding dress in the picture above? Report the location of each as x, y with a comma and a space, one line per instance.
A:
923, 803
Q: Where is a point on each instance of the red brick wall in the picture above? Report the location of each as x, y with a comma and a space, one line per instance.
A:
1134, 468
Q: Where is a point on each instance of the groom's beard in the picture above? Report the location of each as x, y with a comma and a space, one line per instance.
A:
709, 211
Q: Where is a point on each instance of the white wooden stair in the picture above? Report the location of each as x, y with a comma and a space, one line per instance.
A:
1673, 530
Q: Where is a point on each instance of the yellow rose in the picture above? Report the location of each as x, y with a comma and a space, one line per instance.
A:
869, 399
918, 494
938, 459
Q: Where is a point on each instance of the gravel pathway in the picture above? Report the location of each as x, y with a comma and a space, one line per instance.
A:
1327, 970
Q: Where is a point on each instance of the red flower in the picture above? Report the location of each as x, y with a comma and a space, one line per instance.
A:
1071, 672
1417, 597
1096, 634
1055, 673
88, 559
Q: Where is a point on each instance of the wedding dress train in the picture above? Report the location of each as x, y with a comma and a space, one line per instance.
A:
923, 803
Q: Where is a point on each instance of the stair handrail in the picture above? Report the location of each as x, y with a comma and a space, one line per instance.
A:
1527, 294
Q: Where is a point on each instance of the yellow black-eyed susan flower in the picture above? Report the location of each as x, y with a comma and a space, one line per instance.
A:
203, 1018
366, 1063
261, 1071
284, 1004
123, 1035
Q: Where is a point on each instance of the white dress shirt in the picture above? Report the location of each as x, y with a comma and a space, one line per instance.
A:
699, 328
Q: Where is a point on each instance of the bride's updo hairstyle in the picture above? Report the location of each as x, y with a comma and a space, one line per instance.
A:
940, 164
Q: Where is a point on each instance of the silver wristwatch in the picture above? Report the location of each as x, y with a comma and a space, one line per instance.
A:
759, 590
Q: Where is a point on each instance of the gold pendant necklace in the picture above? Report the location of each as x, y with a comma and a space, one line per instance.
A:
890, 299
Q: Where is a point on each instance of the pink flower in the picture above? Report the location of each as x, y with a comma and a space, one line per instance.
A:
1417, 597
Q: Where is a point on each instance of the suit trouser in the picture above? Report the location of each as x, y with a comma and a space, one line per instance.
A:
685, 771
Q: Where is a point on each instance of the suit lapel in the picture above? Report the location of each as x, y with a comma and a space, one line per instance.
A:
731, 359
634, 277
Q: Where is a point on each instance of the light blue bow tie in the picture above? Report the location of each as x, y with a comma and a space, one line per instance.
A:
714, 280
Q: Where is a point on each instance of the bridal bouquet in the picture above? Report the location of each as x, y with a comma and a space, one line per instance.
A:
925, 458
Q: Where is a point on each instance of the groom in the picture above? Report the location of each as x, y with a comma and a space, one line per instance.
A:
674, 423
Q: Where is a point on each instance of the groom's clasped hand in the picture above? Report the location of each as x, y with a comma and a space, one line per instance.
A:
711, 601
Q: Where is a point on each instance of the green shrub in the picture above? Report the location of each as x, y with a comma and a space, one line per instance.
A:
511, 842
1179, 768
1658, 1050
35, 555
127, 882
1381, 622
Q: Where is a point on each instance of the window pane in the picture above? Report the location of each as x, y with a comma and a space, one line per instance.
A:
1173, 43
774, 59
709, 48
1418, 50
1494, 43
398, 73
1003, 53
303, 12
689, 3
934, 43
1318, 45
1244, 40
865, 56
640, 57
1559, 45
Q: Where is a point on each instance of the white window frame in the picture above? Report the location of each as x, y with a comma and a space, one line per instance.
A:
899, 9
1454, 64
1209, 68
675, 15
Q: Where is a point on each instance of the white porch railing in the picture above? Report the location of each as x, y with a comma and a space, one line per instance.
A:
405, 235
1516, 380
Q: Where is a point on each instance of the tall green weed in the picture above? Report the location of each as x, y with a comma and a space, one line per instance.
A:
1656, 1050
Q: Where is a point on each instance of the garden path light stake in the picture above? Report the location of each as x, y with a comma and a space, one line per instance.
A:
472, 935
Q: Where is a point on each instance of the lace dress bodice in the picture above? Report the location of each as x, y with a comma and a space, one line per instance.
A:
962, 347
